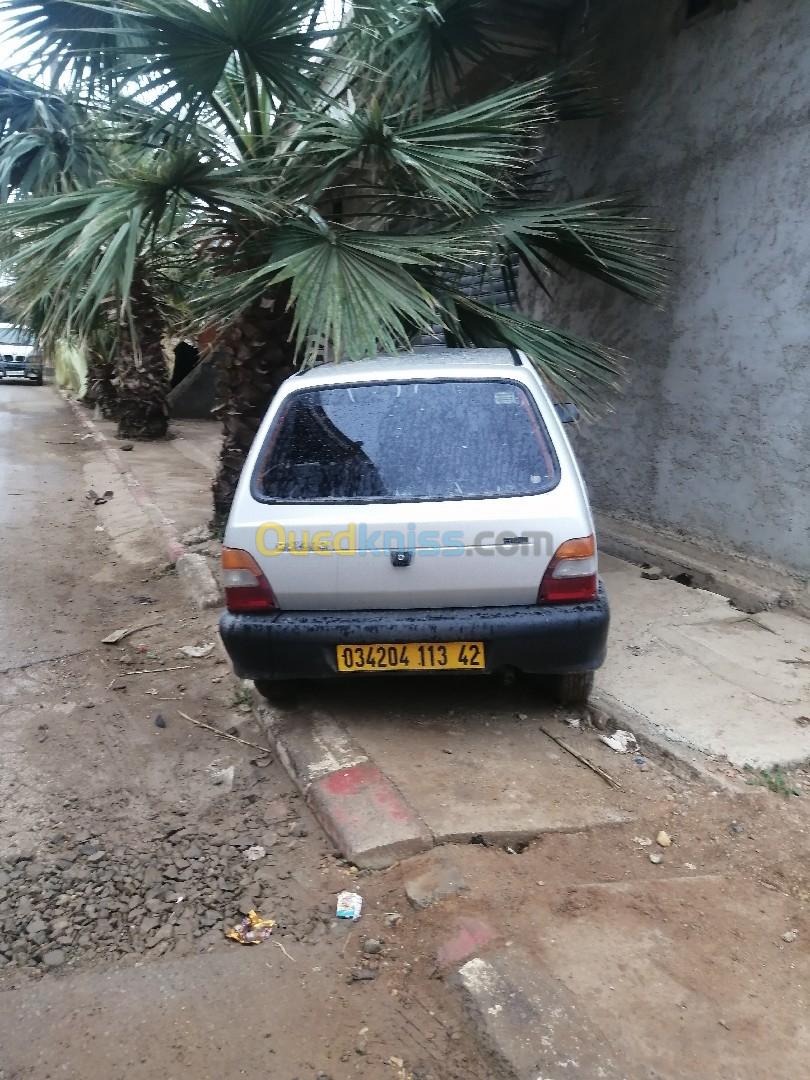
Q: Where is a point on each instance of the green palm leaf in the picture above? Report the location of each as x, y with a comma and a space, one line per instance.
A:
80, 249
66, 38
354, 293
456, 157
608, 238
47, 142
582, 370
185, 48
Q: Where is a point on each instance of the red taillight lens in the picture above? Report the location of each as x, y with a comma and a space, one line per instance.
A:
246, 587
571, 575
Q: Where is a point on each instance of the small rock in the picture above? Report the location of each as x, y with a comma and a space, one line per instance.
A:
736, 827
442, 879
522, 716
363, 975
652, 573
655, 858
54, 958
393, 918
125, 446
372, 946
160, 720
663, 839
790, 936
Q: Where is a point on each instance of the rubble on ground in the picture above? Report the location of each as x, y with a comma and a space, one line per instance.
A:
87, 897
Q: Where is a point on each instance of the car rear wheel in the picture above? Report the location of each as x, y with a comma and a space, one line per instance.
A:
282, 692
574, 688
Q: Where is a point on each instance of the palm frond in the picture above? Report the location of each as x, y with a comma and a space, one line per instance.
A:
610, 238
183, 49
80, 249
424, 46
456, 157
354, 293
47, 141
584, 371
67, 39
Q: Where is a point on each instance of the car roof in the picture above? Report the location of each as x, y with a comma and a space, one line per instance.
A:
421, 363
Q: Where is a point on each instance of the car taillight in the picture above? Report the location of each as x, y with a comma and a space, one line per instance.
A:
246, 587
571, 574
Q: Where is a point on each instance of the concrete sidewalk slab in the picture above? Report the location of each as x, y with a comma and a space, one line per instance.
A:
531, 1022
501, 779
705, 674
367, 818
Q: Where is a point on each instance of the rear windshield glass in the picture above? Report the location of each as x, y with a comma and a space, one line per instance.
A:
10, 335
405, 442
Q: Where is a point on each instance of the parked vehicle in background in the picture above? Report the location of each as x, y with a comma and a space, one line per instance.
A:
20, 355
418, 513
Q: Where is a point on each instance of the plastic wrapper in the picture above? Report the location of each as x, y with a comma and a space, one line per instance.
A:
252, 930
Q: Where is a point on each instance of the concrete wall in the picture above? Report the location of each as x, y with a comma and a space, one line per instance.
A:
713, 435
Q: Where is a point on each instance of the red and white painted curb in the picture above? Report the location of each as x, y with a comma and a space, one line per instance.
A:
360, 809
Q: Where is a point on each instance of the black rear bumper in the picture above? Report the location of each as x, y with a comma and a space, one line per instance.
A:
542, 640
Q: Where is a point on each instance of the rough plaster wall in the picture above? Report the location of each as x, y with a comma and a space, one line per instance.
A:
713, 436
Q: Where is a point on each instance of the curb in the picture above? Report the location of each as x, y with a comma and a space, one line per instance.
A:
359, 808
531, 1023
692, 763
196, 578
749, 584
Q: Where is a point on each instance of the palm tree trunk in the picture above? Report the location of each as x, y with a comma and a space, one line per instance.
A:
100, 387
142, 374
254, 358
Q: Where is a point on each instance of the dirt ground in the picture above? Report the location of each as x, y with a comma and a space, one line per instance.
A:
125, 832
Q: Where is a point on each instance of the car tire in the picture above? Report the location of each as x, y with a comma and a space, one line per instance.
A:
282, 692
574, 688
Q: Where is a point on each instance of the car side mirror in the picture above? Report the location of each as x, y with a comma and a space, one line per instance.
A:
567, 411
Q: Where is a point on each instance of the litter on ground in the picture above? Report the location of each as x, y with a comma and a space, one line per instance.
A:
349, 905
252, 930
623, 742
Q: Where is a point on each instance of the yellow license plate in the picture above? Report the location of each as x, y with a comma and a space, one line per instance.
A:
415, 656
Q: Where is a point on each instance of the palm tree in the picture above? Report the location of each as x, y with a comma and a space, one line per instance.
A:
327, 190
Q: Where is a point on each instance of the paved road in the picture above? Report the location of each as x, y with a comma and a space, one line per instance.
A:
45, 601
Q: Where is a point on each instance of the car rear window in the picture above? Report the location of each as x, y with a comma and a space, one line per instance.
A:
406, 441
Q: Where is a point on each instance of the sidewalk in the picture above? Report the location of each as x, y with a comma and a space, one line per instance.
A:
685, 667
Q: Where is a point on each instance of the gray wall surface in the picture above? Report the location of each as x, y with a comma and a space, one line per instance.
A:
712, 436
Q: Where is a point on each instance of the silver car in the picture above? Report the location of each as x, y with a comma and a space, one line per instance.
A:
417, 513
20, 354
